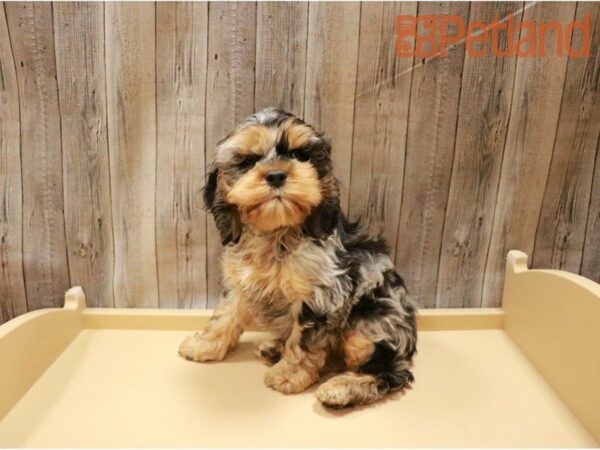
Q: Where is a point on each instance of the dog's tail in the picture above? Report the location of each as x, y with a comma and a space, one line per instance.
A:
350, 388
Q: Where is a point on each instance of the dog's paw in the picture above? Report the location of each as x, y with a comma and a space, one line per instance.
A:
348, 389
334, 394
198, 348
269, 352
288, 378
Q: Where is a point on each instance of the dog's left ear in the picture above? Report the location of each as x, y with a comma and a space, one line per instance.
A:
226, 216
326, 217
323, 219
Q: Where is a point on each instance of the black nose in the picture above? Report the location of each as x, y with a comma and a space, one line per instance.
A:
276, 178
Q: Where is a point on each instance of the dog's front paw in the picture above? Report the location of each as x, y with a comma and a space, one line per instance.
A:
198, 348
269, 352
289, 378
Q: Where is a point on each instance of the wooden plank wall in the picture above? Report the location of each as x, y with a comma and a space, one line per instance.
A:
110, 113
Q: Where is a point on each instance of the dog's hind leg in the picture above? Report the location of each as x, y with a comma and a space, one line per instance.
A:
374, 368
378, 345
348, 389
352, 388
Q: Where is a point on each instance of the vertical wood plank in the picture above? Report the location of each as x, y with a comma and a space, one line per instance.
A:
131, 84
434, 99
380, 121
80, 65
483, 115
131, 132
561, 229
528, 150
181, 52
590, 264
44, 249
281, 35
229, 96
332, 57
12, 285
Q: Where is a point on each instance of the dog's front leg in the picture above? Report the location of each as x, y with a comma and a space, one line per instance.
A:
220, 335
304, 355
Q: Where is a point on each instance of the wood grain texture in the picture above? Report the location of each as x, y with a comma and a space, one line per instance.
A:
229, 97
528, 150
483, 115
13, 301
590, 264
131, 84
561, 228
434, 100
332, 61
110, 114
181, 52
281, 35
80, 66
380, 121
44, 249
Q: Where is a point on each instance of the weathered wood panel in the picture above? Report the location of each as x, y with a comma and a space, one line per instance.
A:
483, 115
80, 65
181, 52
13, 301
332, 61
434, 99
131, 85
453, 159
381, 121
44, 251
229, 96
528, 150
590, 265
281, 35
561, 227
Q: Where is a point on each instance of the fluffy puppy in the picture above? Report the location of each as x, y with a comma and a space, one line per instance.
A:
293, 265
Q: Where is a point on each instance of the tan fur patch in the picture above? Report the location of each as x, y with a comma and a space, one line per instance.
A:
255, 265
348, 389
298, 135
357, 350
254, 139
290, 378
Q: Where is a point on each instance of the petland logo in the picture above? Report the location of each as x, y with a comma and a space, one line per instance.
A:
437, 33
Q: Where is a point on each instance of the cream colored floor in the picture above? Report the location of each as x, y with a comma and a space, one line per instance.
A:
129, 388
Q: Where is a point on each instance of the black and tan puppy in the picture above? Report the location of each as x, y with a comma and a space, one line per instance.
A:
294, 265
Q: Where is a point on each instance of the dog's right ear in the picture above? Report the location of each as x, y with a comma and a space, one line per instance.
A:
226, 216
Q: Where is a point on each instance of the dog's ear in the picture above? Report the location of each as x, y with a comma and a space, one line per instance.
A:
326, 217
321, 156
226, 216
210, 189
323, 219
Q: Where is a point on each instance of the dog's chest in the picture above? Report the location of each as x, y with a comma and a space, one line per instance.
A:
277, 271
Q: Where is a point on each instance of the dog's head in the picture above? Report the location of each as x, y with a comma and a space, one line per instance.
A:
273, 171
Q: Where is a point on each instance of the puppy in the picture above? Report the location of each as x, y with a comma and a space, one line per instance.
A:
293, 265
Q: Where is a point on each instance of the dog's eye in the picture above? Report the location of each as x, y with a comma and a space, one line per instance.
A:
301, 154
248, 161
